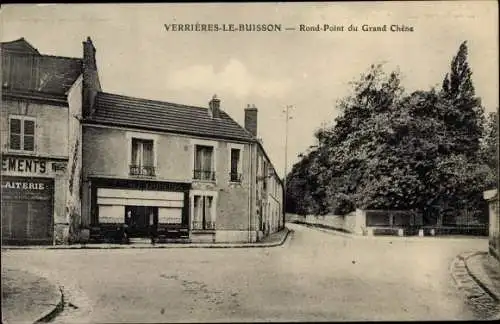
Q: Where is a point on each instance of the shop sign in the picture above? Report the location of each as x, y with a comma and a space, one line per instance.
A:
25, 165
26, 188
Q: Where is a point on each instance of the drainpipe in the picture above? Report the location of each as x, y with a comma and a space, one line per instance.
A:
251, 189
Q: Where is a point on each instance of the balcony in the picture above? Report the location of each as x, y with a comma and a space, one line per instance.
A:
199, 225
235, 177
142, 170
204, 175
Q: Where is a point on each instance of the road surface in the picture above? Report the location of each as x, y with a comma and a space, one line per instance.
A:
314, 276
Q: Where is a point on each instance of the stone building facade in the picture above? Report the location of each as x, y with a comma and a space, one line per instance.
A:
173, 172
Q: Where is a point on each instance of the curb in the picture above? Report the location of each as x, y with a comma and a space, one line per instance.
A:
476, 279
458, 267
50, 314
156, 246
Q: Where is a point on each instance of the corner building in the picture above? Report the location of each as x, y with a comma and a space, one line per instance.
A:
40, 145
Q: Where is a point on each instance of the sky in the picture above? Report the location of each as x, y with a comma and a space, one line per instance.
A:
308, 70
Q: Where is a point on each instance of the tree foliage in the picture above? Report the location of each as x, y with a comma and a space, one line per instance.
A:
391, 150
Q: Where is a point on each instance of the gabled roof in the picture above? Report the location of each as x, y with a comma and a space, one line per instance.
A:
119, 110
25, 69
20, 46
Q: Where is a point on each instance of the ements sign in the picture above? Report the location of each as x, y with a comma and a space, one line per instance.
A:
25, 165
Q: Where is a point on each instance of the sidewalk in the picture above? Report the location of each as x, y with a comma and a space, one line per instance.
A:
485, 269
275, 239
28, 298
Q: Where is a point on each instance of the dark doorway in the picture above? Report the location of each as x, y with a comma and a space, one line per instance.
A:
143, 220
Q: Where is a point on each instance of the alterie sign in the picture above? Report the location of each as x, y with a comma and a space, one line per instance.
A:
27, 188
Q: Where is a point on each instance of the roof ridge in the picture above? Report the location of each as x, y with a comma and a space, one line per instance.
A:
15, 40
153, 100
62, 57
22, 39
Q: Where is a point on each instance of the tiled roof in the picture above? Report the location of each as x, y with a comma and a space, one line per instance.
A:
19, 45
118, 110
27, 70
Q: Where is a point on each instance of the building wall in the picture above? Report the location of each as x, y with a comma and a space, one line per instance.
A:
106, 154
269, 191
51, 149
50, 141
494, 219
74, 168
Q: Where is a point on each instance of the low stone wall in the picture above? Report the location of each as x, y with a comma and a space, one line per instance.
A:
352, 223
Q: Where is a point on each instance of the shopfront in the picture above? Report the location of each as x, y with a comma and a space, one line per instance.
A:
27, 209
139, 208
33, 198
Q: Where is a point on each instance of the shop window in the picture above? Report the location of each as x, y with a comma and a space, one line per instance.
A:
203, 213
22, 133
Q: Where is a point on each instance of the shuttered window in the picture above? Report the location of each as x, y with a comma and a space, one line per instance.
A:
22, 134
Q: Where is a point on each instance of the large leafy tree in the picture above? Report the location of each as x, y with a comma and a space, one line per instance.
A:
301, 184
459, 174
390, 150
463, 114
348, 150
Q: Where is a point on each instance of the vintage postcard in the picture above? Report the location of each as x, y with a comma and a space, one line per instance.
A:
250, 162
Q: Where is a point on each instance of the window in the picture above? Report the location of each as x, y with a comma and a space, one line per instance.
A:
203, 163
203, 213
22, 134
264, 176
235, 165
142, 160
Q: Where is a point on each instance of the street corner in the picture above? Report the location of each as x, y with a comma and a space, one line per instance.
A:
466, 269
28, 297
277, 239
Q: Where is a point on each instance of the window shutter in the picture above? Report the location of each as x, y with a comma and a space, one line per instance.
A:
29, 135
15, 134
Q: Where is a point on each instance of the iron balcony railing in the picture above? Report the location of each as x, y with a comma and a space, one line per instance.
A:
204, 175
142, 170
200, 225
235, 176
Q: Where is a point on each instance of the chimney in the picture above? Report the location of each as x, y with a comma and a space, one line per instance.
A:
214, 107
91, 84
251, 119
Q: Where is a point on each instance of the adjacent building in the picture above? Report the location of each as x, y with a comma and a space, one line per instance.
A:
40, 145
491, 196
173, 171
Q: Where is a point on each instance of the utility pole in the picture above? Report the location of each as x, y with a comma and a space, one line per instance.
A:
287, 118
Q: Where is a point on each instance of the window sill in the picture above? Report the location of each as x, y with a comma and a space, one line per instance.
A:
142, 176
205, 181
23, 152
203, 231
